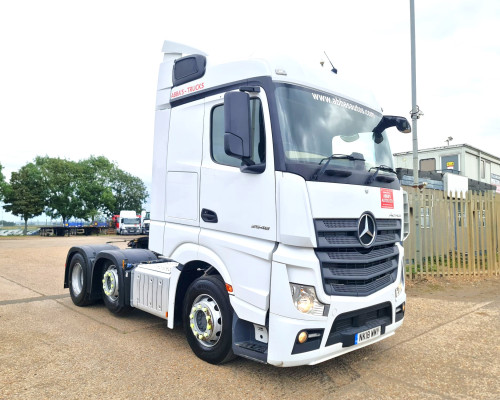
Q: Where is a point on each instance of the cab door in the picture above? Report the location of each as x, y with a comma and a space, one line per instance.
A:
231, 201
238, 210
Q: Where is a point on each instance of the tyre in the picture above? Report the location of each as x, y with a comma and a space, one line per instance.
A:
78, 281
207, 320
112, 283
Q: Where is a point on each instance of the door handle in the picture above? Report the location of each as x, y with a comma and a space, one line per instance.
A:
209, 216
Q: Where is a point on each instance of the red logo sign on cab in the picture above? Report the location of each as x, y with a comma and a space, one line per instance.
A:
386, 198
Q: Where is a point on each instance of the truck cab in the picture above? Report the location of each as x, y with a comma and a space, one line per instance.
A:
145, 222
130, 223
277, 219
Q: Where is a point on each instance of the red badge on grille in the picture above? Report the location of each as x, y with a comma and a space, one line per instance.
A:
386, 198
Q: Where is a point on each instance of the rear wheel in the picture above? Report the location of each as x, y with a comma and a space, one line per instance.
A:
112, 283
78, 281
207, 319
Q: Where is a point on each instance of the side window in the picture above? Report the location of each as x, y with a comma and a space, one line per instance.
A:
257, 131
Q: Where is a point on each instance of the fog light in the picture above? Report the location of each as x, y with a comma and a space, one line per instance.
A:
302, 337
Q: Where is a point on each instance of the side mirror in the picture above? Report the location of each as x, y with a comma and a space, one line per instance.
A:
403, 125
387, 121
237, 141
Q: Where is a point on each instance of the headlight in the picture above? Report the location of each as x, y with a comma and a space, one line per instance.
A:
305, 300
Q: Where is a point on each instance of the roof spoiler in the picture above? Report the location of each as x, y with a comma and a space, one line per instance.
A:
174, 50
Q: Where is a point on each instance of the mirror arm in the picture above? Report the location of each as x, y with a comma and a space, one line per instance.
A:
253, 169
247, 161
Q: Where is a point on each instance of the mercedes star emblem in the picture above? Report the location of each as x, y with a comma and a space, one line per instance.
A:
367, 230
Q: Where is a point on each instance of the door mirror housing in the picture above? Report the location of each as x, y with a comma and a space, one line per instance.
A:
237, 141
403, 125
388, 121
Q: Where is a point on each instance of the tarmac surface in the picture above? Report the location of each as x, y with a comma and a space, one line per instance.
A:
448, 347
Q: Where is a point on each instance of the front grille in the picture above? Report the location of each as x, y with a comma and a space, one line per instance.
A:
349, 269
346, 325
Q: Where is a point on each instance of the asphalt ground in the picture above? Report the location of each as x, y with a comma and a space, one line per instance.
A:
448, 347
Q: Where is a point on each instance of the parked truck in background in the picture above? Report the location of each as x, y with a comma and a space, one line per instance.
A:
145, 222
277, 220
130, 223
115, 221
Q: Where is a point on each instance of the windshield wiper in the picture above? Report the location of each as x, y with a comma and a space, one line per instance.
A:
372, 177
322, 170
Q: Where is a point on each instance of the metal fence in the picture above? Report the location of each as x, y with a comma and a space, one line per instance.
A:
459, 234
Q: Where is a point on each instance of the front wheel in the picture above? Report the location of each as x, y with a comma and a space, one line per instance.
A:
207, 320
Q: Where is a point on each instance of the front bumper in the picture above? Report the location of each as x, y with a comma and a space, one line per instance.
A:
131, 231
280, 350
346, 316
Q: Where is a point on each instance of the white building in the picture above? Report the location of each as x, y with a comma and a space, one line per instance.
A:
462, 159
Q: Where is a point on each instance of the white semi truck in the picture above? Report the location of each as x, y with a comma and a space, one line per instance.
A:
130, 223
277, 220
145, 222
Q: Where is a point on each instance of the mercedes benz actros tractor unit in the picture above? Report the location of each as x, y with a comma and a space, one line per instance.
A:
277, 219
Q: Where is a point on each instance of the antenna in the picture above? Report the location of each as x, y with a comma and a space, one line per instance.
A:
334, 70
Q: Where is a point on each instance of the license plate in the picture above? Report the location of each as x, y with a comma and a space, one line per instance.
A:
367, 335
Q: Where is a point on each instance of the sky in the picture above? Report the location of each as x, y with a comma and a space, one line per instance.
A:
79, 78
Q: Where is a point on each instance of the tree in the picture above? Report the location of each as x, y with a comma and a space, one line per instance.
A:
2, 183
129, 191
89, 187
62, 178
25, 194
107, 189
95, 190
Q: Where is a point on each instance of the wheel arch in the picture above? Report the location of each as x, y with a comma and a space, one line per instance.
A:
89, 254
194, 262
189, 253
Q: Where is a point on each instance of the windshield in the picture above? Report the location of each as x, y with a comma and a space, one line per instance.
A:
316, 125
131, 221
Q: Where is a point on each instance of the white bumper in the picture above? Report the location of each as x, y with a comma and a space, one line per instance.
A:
285, 321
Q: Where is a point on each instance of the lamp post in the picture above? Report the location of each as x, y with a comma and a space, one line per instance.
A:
415, 114
415, 111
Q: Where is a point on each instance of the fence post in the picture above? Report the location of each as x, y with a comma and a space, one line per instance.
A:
477, 233
490, 230
482, 232
497, 233
470, 230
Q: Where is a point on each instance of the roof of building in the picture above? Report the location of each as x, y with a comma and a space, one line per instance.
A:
447, 148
